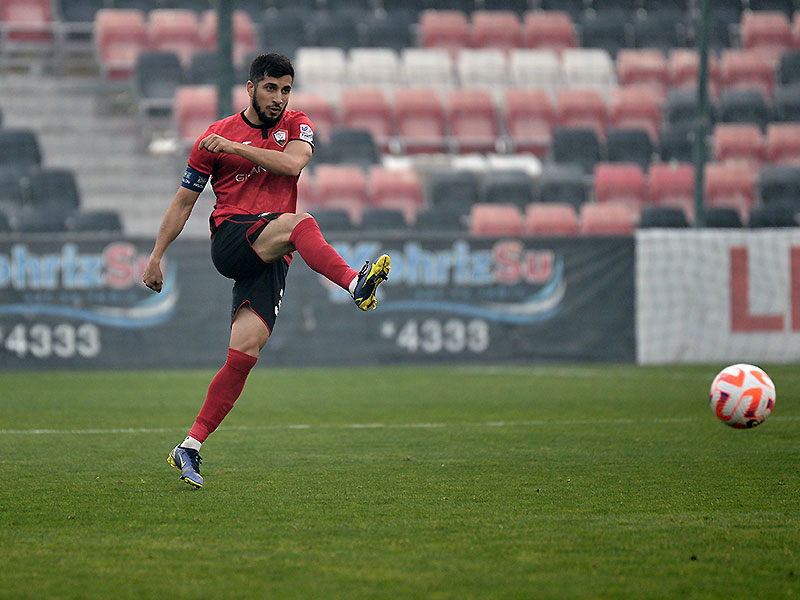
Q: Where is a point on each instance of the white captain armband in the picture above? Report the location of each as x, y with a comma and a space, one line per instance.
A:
194, 180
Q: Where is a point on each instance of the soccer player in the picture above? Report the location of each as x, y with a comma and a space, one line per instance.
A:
253, 160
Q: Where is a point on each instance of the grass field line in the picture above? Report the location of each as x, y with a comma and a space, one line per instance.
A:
344, 426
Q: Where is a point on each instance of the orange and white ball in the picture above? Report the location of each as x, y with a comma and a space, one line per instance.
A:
742, 396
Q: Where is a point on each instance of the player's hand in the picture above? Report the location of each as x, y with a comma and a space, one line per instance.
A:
152, 276
216, 143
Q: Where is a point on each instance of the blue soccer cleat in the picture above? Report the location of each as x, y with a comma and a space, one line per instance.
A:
187, 461
370, 276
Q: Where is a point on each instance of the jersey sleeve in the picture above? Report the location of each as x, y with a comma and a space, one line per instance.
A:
202, 160
301, 128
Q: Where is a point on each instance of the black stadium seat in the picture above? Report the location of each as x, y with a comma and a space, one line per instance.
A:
744, 106
332, 219
663, 217
105, 221
629, 145
563, 184
515, 187
157, 77
576, 145
773, 216
19, 149
382, 218
721, 217
455, 191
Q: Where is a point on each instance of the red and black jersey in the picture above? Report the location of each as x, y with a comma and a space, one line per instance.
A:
241, 186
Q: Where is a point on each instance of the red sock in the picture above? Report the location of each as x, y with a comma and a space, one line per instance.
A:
225, 388
319, 254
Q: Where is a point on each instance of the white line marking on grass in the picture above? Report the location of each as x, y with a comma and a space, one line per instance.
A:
535, 423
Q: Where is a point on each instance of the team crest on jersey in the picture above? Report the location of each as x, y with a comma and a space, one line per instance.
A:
280, 136
306, 133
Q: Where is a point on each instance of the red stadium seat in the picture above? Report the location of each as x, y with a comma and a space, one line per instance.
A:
341, 186
174, 30
473, 120
120, 35
549, 29
530, 116
195, 108
643, 68
739, 143
729, 186
582, 107
796, 29
610, 218
636, 108
768, 32
747, 69
672, 184
420, 119
245, 39
27, 21
396, 188
783, 143
241, 100
368, 108
620, 183
319, 109
551, 218
447, 29
306, 192
495, 220
683, 66
496, 29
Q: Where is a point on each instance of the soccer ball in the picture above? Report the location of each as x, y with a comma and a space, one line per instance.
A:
742, 396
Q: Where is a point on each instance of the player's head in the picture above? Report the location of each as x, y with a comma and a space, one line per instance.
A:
271, 77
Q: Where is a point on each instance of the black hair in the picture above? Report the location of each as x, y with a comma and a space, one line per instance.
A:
272, 64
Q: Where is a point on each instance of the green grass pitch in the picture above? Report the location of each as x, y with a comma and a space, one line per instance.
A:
409, 483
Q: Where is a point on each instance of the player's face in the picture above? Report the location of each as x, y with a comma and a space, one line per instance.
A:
269, 98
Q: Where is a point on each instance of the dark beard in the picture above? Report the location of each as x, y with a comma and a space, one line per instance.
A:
266, 121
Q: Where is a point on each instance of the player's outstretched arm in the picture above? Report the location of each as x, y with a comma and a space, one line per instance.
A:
171, 225
289, 162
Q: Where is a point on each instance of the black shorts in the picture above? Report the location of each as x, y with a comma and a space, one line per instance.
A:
257, 283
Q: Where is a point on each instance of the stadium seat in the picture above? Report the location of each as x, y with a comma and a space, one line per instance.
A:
473, 119
563, 184
582, 107
195, 108
744, 106
202, 69
572, 8
622, 183
39, 222
786, 104
676, 143
285, 30
551, 218
5, 223
530, 116
671, 184
482, 67
607, 29
724, 24
646, 68
785, 6
352, 146
446, 29
245, 39
454, 191
174, 30
495, 220
319, 109
320, 69
368, 108
589, 67
52, 190
332, 219
636, 108
438, 220
789, 68
499, 29
381, 218
398, 188
670, 217
95, 221
421, 119
508, 187
19, 149
607, 219
373, 67
548, 29
780, 184
27, 22
730, 186
387, 30
683, 65
157, 76
427, 68
773, 216
579, 146
739, 143
783, 143
720, 217
747, 69
12, 194
661, 28
343, 187
119, 36
534, 69
631, 145
334, 28
80, 11
682, 107
767, 32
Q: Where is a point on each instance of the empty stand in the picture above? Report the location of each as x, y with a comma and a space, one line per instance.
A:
245, 37
629, 145
671, 184
530, 117
663, 217
508, 187
607, 219
730, 186
496, 29
427, 68
438, 220
320, 69
496, 220
636, 108
482, 67
352, 146
582, 107
643, 67
421, 119
748, 70
683, 65
620, 183
368, 108
744, 106
454, 191
473, 119
342, 187
195, 108
95, 221
203, 68
578, 146
676, 143
448, 29
786, 103
589, 67
783, 143
773, 216
332, 219
780, 185
335, 28
548, 29
27, 22
388, 29
174, 30
19, 149
119, 35
767, 32
607, 29
157, 76
382, 218
662, 27
551, 218
535, 69
789, 68
373, 67
740, 143
720, 217
563, 184
398, 188
285, 30
318, 108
